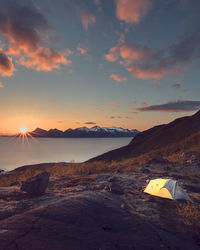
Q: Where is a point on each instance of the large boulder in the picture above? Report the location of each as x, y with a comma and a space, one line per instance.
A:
36, 185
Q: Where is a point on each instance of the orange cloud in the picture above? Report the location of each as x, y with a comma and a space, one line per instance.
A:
1, 85
113, 54
133, 53
132, 11
87, 19
45, 59
25, 27
83, 51
140, 61
118, 78
6, 66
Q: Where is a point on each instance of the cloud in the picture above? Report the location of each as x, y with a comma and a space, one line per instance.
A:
1, 85
177, 106
186, 49
176, 86
113, 54
45, 59
133, 108
25, 30
118, 78
128, 53
147, 71
157, 87
114, 105
90, 123
132, 11
87, 19
141, 61
115, 117
98, 4
144, 104
6, 66
60, 121
146, 63
82, 50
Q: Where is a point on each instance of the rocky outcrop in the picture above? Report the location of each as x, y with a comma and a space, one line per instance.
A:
36, 185
100, 211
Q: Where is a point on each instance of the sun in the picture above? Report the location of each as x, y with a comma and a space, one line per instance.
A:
23, 130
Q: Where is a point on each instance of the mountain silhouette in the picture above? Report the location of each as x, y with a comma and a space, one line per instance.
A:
84, 132
180, 134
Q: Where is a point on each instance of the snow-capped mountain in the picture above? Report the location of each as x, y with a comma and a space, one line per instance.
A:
95, 131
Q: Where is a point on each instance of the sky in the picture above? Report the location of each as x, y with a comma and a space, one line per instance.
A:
124, 63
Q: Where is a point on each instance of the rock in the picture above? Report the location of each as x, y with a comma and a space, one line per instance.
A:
145, 170
195, 188
158, 161
15, 183
111, 179
119, 171
37, 184
115, 188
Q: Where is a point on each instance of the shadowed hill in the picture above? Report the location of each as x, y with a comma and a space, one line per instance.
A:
180, 133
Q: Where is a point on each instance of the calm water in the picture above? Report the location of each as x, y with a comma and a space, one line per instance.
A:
14, 153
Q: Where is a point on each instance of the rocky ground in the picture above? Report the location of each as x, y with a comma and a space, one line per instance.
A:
102, 211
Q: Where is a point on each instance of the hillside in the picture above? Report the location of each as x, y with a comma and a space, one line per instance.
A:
163, 140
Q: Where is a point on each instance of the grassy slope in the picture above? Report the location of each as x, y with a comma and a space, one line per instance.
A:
160, 140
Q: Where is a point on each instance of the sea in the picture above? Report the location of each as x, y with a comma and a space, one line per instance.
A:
17, 152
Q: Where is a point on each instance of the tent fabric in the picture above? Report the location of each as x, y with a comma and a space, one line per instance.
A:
176, 191
166, 188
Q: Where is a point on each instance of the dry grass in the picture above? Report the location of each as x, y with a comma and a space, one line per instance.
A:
190, 214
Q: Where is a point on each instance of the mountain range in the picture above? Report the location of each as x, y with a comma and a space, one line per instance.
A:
95, 131
180, 135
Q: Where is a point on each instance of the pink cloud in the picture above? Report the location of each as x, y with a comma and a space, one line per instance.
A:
118, 78
132, 11
87, 19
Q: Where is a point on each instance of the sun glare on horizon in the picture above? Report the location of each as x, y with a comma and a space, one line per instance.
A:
23, 130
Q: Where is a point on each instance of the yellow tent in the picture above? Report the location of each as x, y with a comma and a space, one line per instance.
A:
166, 188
